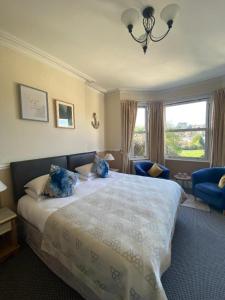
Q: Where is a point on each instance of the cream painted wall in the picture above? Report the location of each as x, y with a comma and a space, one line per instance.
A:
95, 103
22, 139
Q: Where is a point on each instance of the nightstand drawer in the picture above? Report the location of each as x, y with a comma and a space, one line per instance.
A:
5, 227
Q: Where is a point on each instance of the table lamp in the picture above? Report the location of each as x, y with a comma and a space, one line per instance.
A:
3, 187
108, 157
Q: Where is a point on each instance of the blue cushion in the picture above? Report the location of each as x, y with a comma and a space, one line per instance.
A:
61, 182
209, 188
101, 167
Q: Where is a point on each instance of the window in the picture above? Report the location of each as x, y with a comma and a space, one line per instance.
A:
187, 131
139, 144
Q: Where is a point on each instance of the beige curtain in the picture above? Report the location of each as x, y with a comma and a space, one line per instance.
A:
218, 129
128, 117
156, 132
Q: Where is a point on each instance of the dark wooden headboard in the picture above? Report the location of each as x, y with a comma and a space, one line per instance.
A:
80, 159
24, 171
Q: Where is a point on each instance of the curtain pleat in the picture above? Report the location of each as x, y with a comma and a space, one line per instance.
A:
128, 118
156, 132
218, 129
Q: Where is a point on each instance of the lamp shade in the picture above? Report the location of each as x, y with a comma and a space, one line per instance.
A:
109, 156
3, 187
130, 17
169, 12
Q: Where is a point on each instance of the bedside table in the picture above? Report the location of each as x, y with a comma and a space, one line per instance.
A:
8, 233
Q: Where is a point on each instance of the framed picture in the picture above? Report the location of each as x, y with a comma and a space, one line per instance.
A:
33, 103
64, 114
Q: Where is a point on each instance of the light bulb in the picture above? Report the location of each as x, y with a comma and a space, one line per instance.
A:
130, 17
169, 12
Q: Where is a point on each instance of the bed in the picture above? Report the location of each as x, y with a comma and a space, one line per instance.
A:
111, 239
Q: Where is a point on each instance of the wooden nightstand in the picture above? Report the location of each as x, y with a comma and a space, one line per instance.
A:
8, 233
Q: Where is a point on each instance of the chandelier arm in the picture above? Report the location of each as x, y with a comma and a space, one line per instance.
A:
155, 39
152, 24
145, 25
137, 40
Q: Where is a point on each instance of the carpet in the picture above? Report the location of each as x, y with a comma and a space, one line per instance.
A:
191, 202
197, 270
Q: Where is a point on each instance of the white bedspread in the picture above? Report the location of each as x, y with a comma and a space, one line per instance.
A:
117, 239
37, 213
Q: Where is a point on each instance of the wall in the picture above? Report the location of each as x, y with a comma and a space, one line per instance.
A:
22, 139
170, 95
113, 121
95, 138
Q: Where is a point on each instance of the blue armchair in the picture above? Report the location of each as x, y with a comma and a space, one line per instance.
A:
142, 167
205, 186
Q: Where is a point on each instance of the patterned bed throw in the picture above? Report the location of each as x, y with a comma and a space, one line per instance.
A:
117, 240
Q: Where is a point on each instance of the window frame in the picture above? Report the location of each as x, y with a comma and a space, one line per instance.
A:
135, 157
206, 129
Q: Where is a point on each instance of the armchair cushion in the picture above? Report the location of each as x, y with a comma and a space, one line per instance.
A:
155, 170
222, 182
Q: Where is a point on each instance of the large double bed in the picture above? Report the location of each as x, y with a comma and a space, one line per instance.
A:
111, 239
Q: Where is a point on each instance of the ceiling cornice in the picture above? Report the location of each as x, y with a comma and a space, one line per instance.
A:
11, 41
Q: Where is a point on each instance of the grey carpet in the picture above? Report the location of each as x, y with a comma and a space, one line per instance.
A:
197, 271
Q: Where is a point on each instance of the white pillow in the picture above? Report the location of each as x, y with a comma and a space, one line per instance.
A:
87, 177
37, 185
33, 195
86, 170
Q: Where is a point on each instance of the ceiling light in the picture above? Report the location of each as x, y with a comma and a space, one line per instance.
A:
130, 18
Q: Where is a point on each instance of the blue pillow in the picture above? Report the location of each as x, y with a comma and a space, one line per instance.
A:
61, 182
101, 167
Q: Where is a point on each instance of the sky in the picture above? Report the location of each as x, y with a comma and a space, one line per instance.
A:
191, 113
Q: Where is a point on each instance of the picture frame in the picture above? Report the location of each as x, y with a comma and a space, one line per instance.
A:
64, 114
33, 104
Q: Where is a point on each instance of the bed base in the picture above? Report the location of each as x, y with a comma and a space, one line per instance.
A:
33, 237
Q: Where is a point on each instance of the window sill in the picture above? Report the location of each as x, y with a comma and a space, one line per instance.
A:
138, 158
188, 159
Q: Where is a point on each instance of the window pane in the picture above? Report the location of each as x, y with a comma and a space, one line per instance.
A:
190, 144
139, 144
186, 116
140, 120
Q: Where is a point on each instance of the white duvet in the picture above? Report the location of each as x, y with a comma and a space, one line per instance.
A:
114, 234
37, 212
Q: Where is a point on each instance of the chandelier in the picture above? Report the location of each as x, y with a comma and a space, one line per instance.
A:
130, 18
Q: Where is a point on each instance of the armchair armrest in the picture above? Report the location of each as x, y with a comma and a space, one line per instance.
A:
166, 172
139, 171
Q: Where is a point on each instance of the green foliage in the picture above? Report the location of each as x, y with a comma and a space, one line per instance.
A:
192, 153
172, 143
197, 142
185, 144
139, 129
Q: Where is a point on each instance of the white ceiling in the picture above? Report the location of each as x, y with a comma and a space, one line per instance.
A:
89, 36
